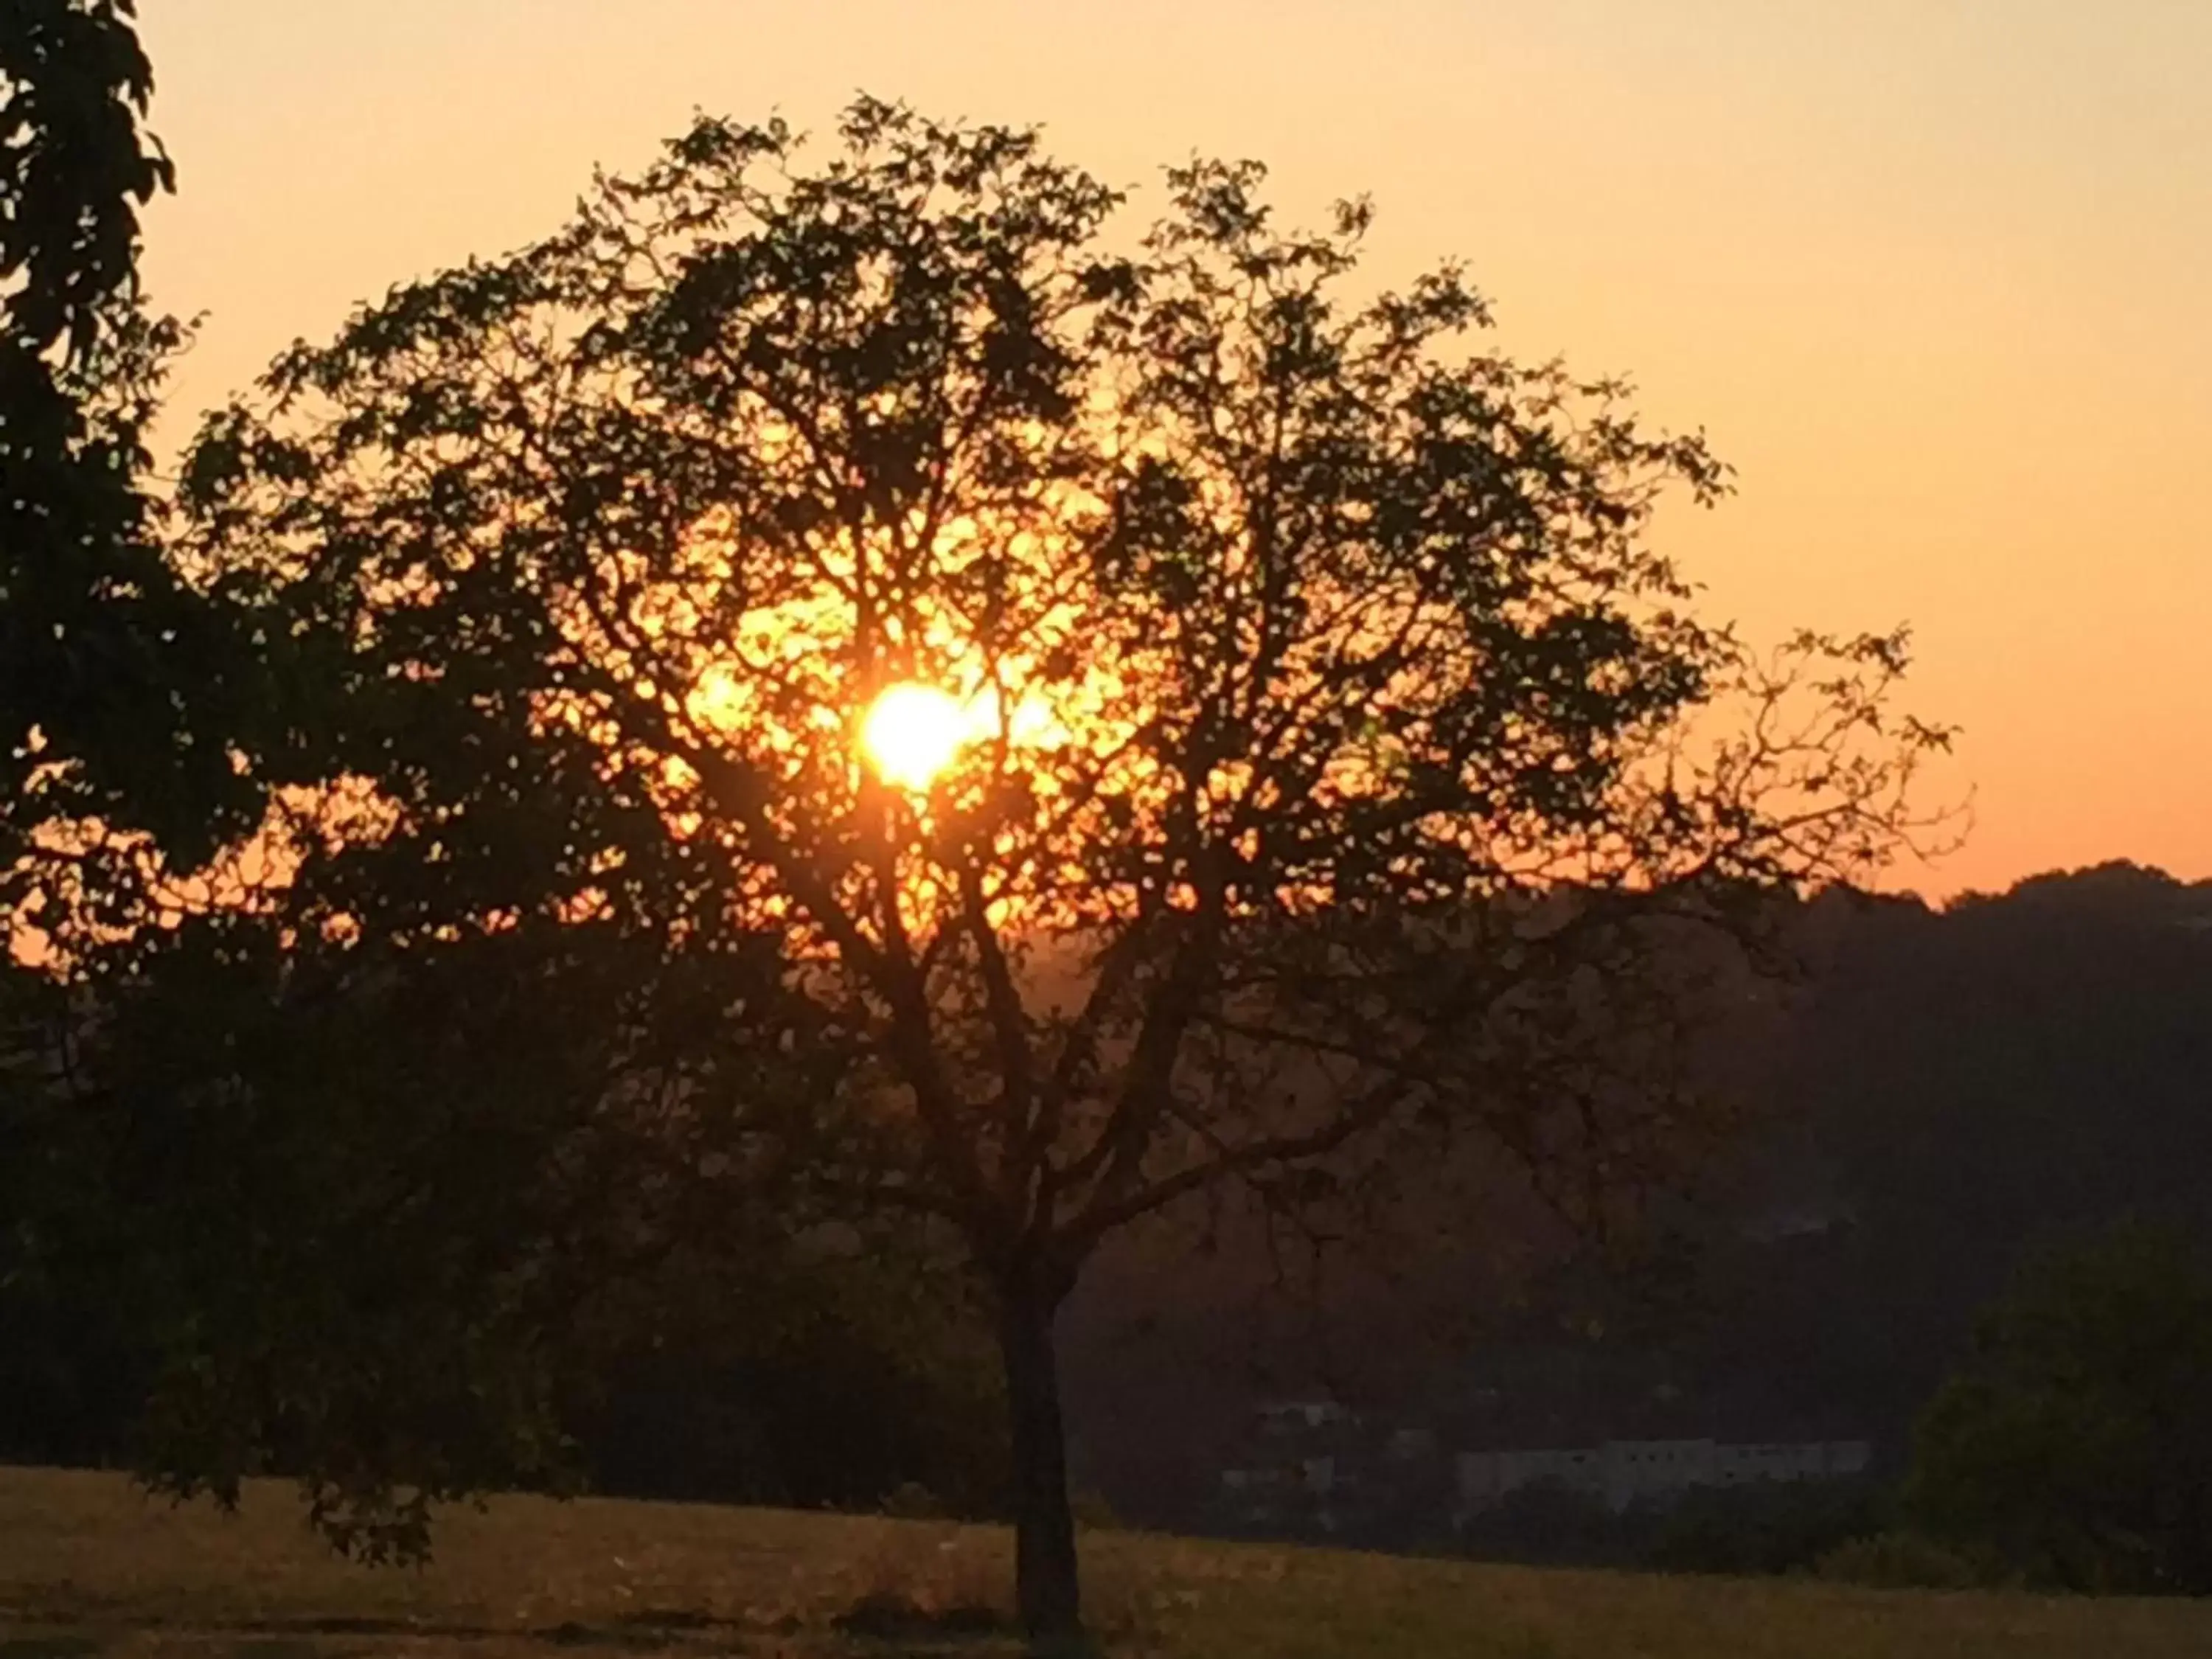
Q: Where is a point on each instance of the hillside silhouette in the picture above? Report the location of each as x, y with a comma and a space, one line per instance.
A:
1946, 1089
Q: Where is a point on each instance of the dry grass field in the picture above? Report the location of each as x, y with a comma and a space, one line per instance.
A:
89, 1570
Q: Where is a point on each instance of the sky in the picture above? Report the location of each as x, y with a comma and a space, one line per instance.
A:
1934, 275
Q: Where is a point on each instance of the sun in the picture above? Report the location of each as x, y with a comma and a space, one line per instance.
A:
912, 733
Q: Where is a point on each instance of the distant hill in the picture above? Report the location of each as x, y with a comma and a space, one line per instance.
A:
1946, 1089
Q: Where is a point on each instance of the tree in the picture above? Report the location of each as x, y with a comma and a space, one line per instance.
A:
114, 706
802, 1376
2076, 1444
100, 640
1135, 716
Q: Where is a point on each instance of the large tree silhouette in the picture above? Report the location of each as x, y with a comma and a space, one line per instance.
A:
1332, 737
100, 643
117, 704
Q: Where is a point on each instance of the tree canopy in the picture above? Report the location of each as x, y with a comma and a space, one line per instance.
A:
1318, 740
116, 697
110, 667
2074, 1445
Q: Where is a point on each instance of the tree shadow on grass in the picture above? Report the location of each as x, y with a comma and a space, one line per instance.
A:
876, 1623
883, 1618
644, 1628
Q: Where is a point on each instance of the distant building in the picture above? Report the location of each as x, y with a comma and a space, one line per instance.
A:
1410, 1445
1314, 1467
1308, 1460
1620, 1473
1297, 1416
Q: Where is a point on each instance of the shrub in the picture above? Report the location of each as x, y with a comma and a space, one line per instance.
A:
1901, 1560
1547, 1522
1767, 1526
912, 1501
2075, 1443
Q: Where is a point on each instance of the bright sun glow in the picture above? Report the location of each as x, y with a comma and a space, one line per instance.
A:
913, 733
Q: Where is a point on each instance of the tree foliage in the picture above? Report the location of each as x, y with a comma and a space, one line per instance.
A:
1340, 747
100, 640
2076, 1444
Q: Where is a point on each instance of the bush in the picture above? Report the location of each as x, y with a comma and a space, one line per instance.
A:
2076, 1443
912, 1501
1766, 1527
835, 1381
1547, 1523
1901, 1560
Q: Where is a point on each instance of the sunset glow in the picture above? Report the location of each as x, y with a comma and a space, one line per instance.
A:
774, 718
1930, 276
913, 733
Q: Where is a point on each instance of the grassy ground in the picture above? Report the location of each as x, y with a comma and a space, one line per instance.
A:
90, 1570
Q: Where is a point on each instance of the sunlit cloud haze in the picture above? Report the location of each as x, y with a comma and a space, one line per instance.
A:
1934, 274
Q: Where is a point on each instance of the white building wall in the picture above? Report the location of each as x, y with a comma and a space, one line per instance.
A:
1621, 1472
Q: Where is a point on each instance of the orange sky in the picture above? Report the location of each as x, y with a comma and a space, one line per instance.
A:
1935, 275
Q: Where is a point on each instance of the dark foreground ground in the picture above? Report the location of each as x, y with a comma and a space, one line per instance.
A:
88, 1570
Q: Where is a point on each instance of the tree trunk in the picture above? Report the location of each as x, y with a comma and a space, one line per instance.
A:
1045, 1582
